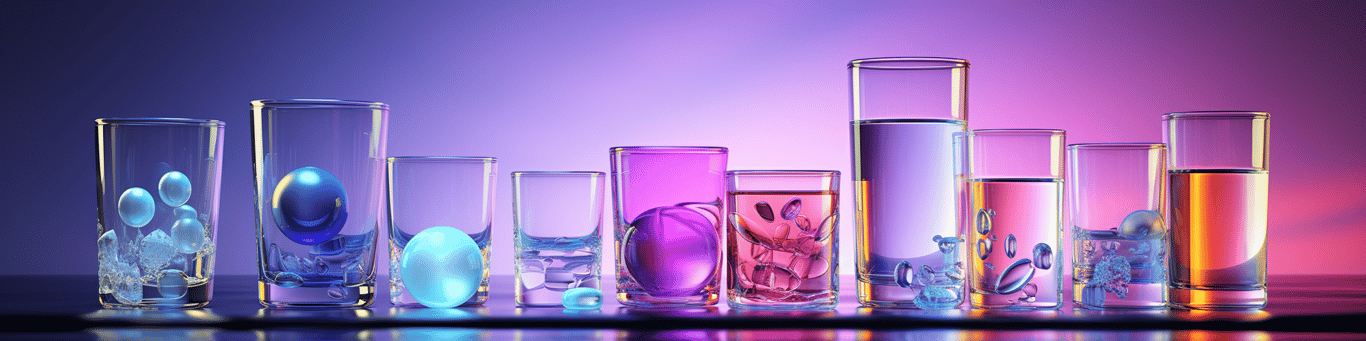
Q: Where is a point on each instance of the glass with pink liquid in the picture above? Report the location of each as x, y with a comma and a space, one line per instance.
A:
1015, 177
783, 241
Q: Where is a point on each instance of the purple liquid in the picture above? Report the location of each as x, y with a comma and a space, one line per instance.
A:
672, 251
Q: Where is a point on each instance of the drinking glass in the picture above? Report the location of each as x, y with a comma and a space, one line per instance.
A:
319, 168
556, 219
1118, 196
907, 120
1016, 178
430, 191
157, 197
783, 239
667, 204
1218, 176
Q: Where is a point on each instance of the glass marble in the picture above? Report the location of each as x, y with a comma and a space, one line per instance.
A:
188, 233
662, 242
174, 188
442, 267
136, 207
172, 283
582, 299
1142, 224
309, 205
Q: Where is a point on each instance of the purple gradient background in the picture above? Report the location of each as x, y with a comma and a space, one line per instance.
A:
552, 85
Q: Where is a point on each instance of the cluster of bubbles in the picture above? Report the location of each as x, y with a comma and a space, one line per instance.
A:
337, 262
1016, 276
129, 259
939, 288
558, 270
673, 251
442, 267
1110, 271
783, 252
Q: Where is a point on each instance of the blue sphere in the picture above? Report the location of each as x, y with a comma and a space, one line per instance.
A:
174, 188
582, 299
441, 267
188, 235
309, 205
136, 207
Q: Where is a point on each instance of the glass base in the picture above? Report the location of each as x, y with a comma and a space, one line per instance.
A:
822, 303
275, 296
891, 296
645, 300
1205, 299
195, 297
403, 300
1008, 302
1138, 297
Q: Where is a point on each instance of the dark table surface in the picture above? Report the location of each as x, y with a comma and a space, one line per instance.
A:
1300, 307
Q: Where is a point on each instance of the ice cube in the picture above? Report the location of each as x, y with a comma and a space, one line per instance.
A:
157, 250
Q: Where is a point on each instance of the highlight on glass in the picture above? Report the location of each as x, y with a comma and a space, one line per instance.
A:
1118, 196
157, 196
1218, 174
319, 171
783, 239
907, 120
557, 237
440, 228
1016, 178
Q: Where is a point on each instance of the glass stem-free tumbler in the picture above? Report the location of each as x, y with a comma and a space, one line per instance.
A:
557, 223
431, 191
783, 239
157, 197
1119, 238
908, 117
1016, 179
319, 168
1217, 171
668, 203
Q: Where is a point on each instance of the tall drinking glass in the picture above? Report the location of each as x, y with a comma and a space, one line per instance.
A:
319, 168
668, 203
1118, 196
1218, 175
430, 191
783, 239
158, 211
1016, 179
907, 119
557, 223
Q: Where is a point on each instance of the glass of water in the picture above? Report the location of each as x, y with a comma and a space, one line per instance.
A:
1218, 174
1118, 197
157, 197
1016, 178
430, 191
557, 222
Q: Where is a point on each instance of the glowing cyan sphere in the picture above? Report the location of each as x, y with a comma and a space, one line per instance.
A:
309, 205
672, 251
441, 267
174, 188
582, 299
136, 207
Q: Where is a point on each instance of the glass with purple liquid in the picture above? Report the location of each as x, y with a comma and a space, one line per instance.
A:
667, 204
1015, 177
783, 242
557, 223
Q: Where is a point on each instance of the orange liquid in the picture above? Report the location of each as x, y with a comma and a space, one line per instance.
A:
1218, 237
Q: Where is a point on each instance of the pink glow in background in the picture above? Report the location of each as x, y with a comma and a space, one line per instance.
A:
553, 85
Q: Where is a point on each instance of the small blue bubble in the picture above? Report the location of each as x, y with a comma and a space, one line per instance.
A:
189, 235
983, 248
582, 299
1010, 246
441, 267
174, 188
172, 283
136, 207
309, 205
185, 211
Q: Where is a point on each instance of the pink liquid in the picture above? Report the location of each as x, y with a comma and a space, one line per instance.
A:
782, 249
1014, 244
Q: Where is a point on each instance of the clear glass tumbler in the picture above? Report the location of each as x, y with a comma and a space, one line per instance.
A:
783, 239
1016, 178
430, 191
557, 223
319, 168
1218, 176
1119, 238
157, 197
668, 203
908, 116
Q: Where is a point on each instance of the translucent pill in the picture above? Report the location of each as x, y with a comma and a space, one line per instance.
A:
441, 267
582, 299
1010, 246
288, 279
174, 188
1043, 256
136, 207
1014, 277
309, 205
792, 208
765, 211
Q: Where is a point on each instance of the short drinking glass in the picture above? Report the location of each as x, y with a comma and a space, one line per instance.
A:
431, 191
557, 222
783, 240
1119, 238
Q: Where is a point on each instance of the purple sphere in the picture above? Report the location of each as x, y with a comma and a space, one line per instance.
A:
672, 251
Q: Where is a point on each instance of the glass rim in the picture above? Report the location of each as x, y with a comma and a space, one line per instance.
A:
784, 172
1118, 145
317, 103
668, 149
399, 159
558, 173
1025, 131
159, 121
908, 63
1215, 114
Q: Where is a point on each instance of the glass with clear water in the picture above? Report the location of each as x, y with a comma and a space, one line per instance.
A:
557, 223
1119, 237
